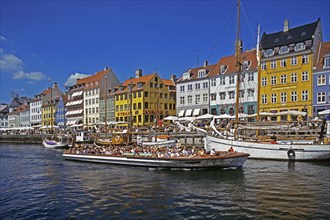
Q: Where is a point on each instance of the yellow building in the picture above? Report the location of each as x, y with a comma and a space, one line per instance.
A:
286, 68
49, 105
152, 100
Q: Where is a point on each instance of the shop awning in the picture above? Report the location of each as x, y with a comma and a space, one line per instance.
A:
196, 111
188, 112
181, 113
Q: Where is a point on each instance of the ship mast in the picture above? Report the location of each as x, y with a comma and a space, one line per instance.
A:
238, 53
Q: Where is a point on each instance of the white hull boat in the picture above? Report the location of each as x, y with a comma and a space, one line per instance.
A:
280, 150
58, 143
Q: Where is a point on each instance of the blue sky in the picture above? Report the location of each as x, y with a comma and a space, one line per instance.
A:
59, 39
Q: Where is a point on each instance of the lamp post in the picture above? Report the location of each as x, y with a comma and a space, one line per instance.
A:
51, 104
105, 103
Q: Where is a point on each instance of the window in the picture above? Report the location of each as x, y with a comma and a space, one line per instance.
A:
181, 88
304, 76
250, 76
304, 95
273, 64
299, 46
205, 98
321, 80
246, 65
213, 82
283, 63
269, 52
273, 80
189, 87
283, 78
264, 99
304, 59
222, 95
223, 69
197, 99
326, 63
284, 49
222, 81
241, 93
264, 81
231, 79
321, 97
294, 77
231, 94
274, 98
197, 86
250, 92
213, 96
201, 73
182, 100
294, 61
205, 85
189, 99
186, 76
283, 97
294, 96
263, 66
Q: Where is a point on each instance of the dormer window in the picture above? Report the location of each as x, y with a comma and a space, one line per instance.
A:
299, 46
326, 63
269, 53
186, 76
223, 69
284, 49
201, 73
246, 65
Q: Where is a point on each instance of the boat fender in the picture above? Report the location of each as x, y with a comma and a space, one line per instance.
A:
291, 154
117, 138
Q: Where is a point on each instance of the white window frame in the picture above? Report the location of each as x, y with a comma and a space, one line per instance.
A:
321, 80
294, 77
283, 79
321, 97
304, 76
294, 96
294, 61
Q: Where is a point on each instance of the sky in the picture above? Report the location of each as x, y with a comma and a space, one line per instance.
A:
42, 42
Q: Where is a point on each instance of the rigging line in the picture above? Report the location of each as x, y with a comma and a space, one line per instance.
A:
216, 44
247, 20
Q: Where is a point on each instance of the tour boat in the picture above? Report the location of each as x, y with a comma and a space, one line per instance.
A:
219, 161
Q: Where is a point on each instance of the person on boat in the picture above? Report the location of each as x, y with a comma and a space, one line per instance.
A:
212, 153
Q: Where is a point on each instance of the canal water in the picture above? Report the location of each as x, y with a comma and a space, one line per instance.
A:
37, 183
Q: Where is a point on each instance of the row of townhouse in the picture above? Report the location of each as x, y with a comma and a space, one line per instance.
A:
294, 74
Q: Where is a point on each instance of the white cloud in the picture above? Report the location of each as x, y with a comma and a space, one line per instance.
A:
10, 63
35, 76
2, 37
73, 78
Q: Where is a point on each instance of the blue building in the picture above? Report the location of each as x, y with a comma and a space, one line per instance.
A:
321, 79
60, 119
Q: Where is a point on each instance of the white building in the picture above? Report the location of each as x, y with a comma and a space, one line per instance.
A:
193, 89
35, 109
223, 85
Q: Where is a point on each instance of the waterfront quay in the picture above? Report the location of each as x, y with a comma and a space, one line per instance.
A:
191, 138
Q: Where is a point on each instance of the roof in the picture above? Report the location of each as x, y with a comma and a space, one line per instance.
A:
194, 72
298, 34
324, 50
135, 81
230, 62
96, 77
168, 82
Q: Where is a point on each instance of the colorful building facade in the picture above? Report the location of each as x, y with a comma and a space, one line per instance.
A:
286, 70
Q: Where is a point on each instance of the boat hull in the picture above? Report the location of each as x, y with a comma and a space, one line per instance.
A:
234, 160
54, 144
272, 151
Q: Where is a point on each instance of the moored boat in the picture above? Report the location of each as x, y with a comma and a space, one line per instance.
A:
57, 142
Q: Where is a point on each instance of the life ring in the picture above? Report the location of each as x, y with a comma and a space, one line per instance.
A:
117, 138
291, 154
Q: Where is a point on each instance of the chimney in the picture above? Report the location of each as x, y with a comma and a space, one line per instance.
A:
205, 63
173, 78
286, 25
55, 85
106, 68
138, 73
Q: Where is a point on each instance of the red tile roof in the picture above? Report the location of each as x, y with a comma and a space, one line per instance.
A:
230, 63
324, 50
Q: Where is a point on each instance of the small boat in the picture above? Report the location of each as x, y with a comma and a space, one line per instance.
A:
159, 141
219, 161
59, 141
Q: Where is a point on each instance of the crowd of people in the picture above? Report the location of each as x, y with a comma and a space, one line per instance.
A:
146, 151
